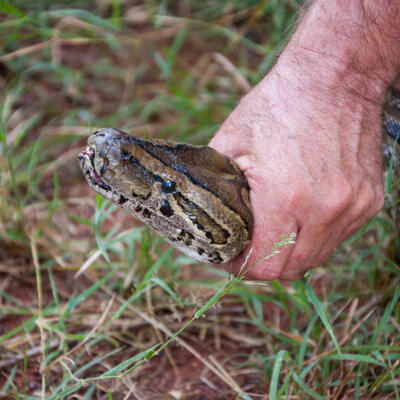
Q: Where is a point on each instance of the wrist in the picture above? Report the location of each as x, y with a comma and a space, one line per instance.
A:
348, 48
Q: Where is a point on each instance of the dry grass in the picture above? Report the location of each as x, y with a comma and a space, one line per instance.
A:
73, 325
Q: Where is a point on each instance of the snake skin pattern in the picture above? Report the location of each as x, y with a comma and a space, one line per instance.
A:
391, 153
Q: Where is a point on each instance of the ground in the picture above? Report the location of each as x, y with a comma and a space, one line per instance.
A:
74, 324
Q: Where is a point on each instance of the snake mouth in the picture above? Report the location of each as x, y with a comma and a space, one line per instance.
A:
86, 160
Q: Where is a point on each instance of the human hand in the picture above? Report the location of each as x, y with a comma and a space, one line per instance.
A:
313, 165
308, 136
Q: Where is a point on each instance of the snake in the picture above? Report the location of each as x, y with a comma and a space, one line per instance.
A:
391, 158
194, 197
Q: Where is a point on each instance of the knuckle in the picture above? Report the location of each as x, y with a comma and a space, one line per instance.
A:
363, 203
338, 199
369, 202
294, 197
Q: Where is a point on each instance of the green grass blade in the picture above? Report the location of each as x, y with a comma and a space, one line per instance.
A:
165, 286
275, 374
320, 311
385, 319
303, 346
306, 389
355, 357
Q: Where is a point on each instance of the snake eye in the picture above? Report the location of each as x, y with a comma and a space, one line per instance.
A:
168, 186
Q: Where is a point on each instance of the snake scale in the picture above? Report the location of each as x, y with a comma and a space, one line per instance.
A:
195, 197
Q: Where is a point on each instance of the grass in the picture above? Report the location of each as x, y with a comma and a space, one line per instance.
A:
87, 294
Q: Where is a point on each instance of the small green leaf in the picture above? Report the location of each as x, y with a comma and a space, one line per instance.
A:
82, 220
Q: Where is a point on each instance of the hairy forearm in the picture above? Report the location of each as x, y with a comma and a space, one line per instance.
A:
347, 45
